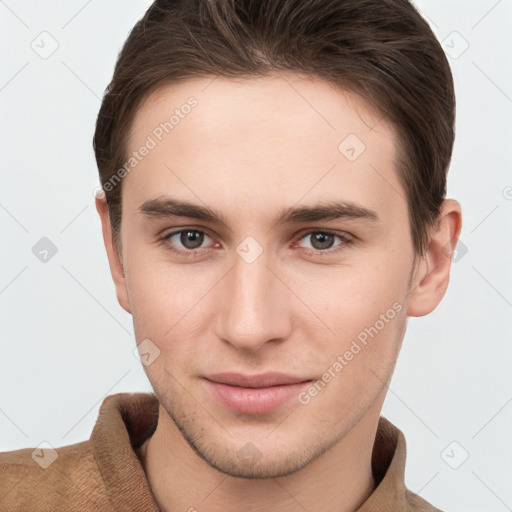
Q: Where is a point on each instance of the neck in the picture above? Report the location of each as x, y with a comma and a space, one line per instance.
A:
339, 480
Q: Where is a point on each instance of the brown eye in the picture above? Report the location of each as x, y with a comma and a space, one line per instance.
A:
191, 239
185, 242
322, 242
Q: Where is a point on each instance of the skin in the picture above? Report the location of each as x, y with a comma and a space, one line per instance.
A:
250, 149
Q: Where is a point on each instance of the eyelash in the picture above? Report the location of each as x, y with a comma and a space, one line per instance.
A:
194, 252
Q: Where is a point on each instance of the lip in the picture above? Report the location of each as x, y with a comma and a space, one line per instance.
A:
254, 394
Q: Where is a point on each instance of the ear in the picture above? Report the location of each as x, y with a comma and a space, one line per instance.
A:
114, 258
432, 273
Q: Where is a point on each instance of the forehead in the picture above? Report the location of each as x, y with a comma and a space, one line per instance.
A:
283, 96
280, 137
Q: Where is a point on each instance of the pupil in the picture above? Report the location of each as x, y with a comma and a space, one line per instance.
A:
193, 237
322, 237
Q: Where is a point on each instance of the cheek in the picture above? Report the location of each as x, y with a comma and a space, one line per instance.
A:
165, 302
352, 298
360, 360
367, 337
365, 307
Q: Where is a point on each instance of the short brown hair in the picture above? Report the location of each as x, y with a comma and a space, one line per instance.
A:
382, 50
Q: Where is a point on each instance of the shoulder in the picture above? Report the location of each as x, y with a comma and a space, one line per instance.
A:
417, 504
63, 478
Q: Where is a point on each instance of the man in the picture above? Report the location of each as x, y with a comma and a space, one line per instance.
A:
274, 178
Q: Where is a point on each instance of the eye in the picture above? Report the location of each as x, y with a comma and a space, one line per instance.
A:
190, 239
188, 242
322, 241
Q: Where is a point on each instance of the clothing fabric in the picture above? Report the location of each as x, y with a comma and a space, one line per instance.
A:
105, 473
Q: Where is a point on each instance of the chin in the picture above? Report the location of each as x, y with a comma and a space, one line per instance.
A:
250, 463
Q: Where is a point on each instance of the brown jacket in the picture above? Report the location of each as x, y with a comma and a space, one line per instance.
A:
105, 474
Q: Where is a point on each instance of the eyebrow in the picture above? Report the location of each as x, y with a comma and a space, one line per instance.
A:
167, 207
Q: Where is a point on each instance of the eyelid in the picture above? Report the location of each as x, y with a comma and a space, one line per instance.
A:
308, 231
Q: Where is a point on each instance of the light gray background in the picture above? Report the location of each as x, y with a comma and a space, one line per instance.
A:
66, 343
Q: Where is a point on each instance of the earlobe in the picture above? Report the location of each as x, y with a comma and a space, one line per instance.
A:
433, 269
114, 258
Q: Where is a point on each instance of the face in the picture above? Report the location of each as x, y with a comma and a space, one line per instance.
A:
318, 297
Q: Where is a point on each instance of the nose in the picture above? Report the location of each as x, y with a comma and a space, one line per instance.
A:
253, 305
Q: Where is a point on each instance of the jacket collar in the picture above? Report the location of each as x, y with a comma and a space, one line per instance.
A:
126, 420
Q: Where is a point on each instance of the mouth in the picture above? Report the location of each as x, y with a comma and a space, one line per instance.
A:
254, 394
